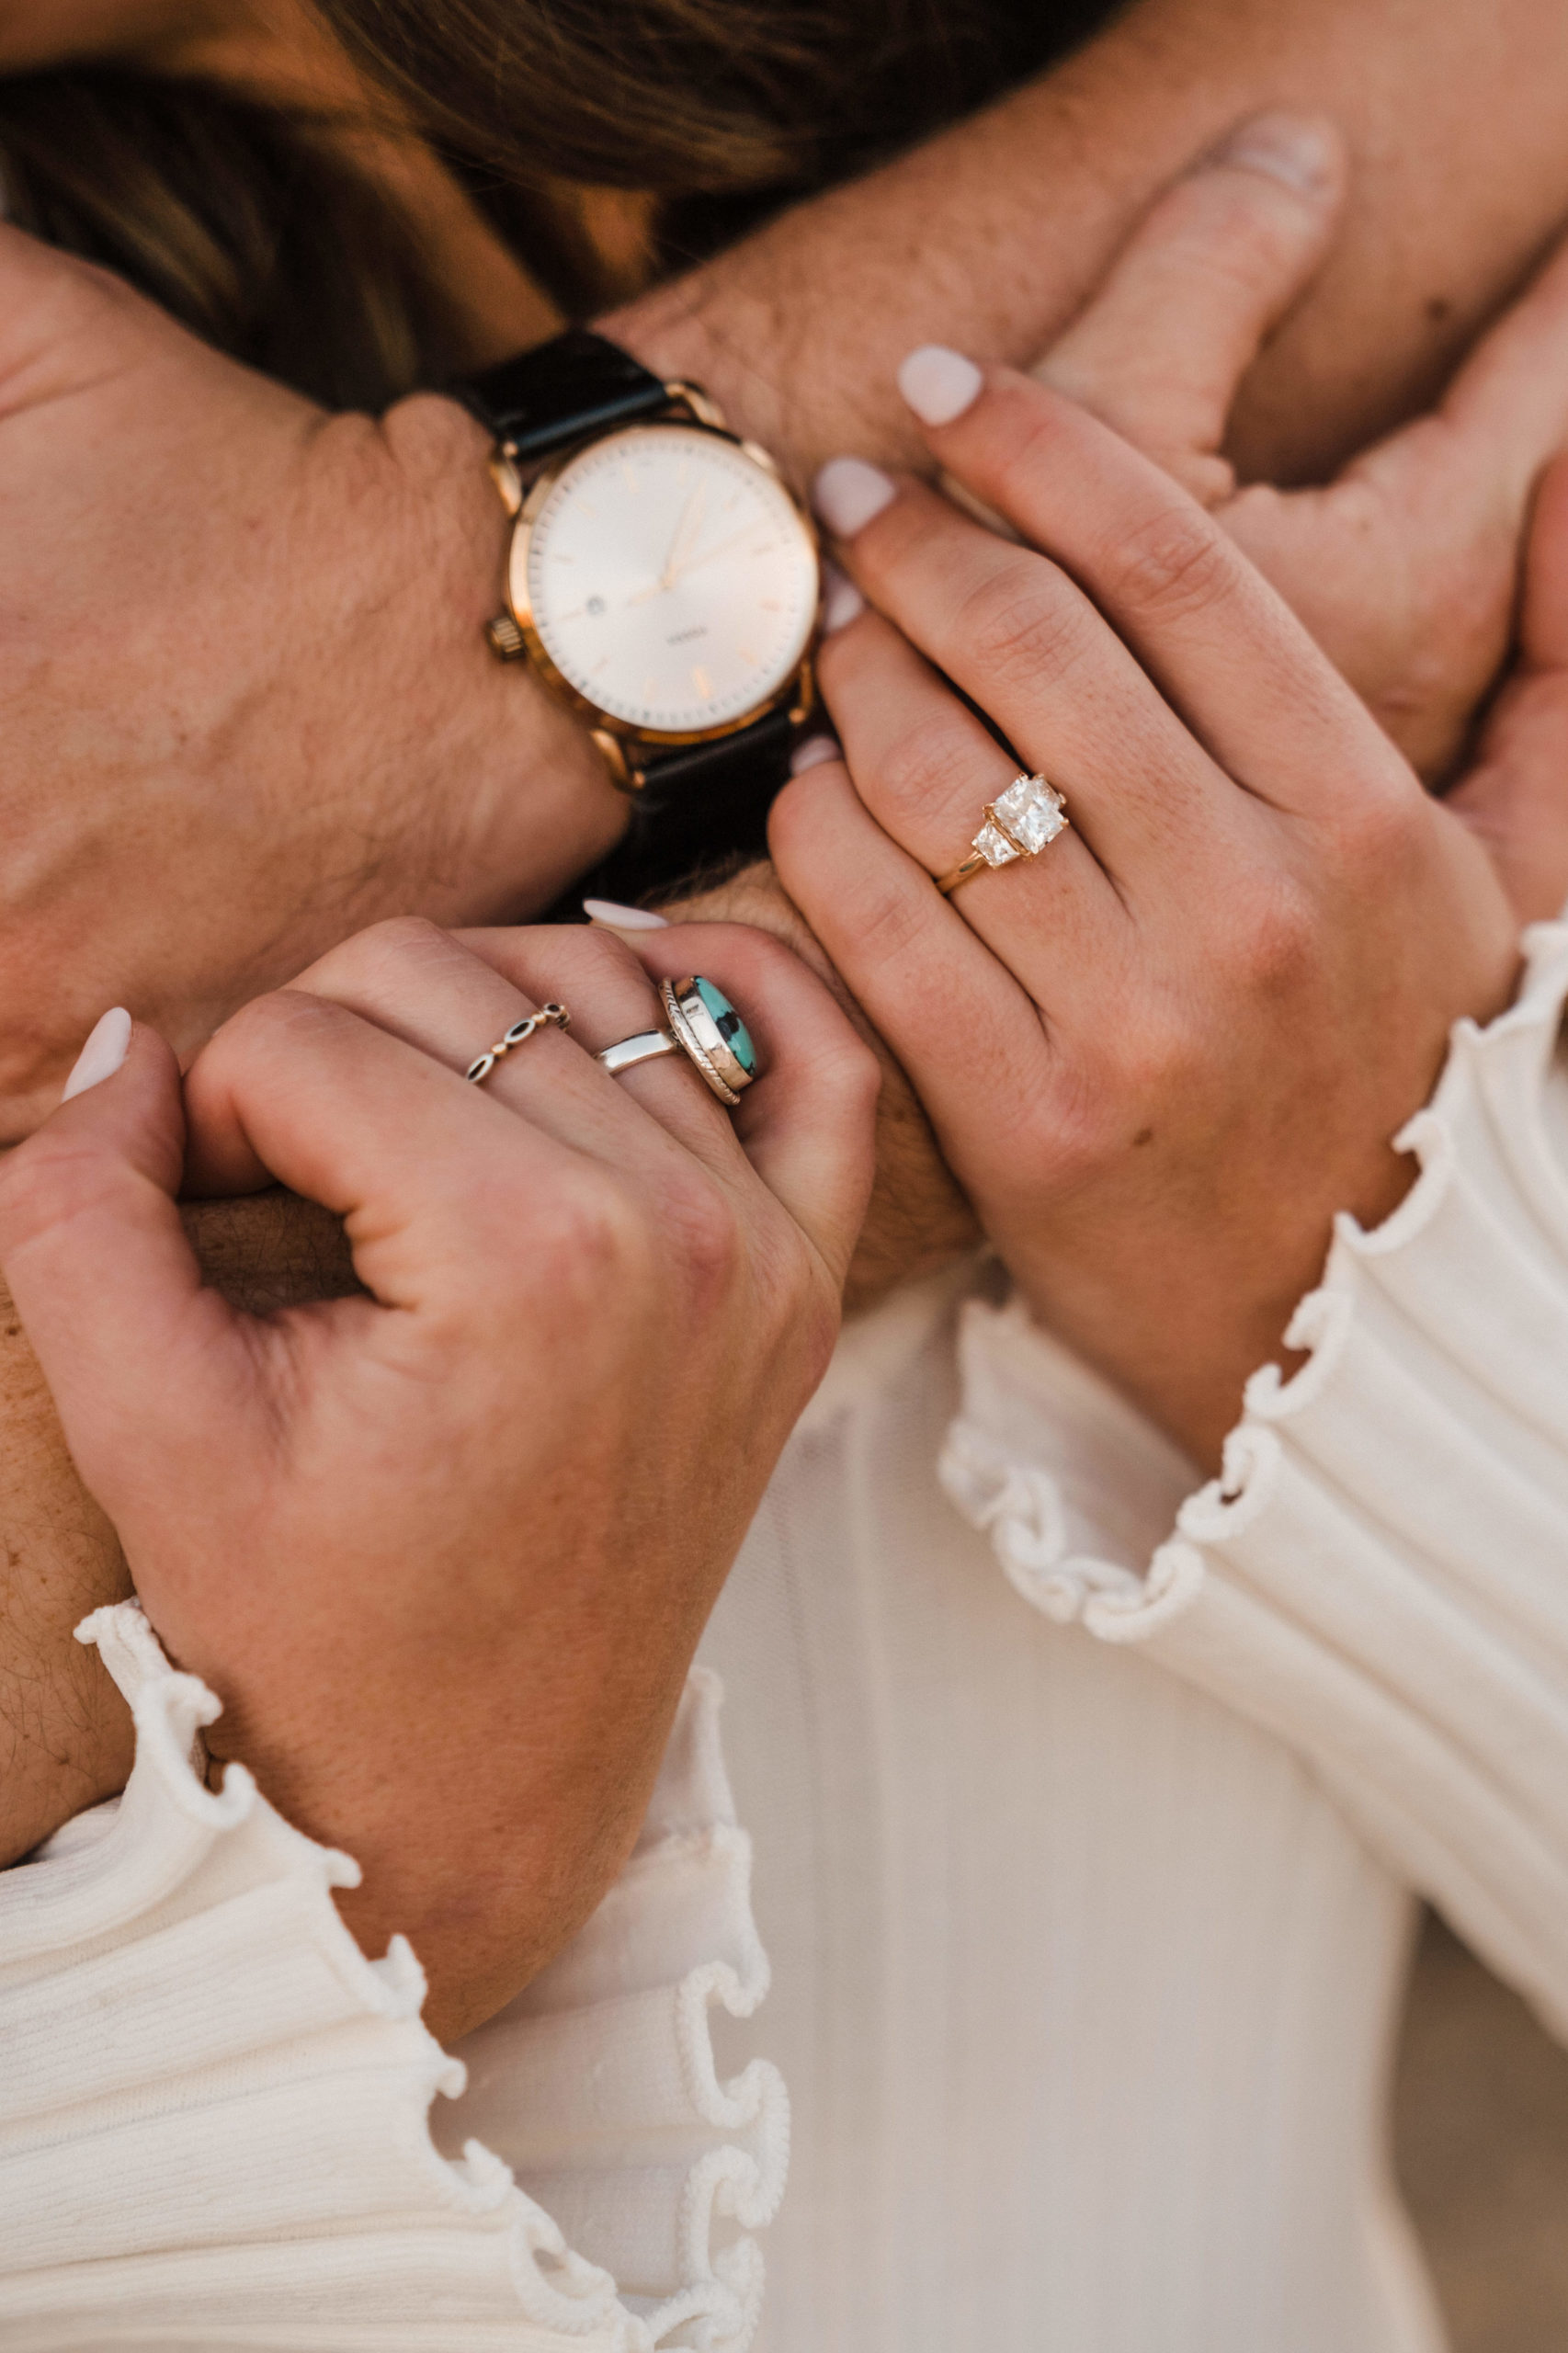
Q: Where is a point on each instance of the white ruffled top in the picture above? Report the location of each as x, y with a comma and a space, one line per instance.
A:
216, 2115
1090, 1815
1380, 1576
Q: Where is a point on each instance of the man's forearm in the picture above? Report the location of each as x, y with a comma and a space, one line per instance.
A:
991, 236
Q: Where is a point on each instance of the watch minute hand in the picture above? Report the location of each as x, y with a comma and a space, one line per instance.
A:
691, 514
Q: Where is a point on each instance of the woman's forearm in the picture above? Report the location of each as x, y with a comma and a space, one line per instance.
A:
991, 236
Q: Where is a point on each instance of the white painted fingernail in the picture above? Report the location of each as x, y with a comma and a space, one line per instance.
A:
848, 493
618, 918
813, 753
940, 384
1294, 148
107, 1045
841, 600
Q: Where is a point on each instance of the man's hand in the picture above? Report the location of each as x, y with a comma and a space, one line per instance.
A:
245, 697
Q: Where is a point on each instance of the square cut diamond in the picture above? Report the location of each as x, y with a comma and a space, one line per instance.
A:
1032, 813
994, 845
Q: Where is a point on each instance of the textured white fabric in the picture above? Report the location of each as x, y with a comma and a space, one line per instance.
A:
1087, 1880
214, 2112
1090, 1919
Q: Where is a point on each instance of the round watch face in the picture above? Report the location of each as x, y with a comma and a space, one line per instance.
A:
670, 579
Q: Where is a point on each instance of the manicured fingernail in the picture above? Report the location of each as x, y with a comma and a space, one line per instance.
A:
106, 1046
617, 918
813, 753
1290, 147
940, 384
848, 493
841, 600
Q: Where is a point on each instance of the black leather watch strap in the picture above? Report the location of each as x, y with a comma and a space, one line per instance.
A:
704, 808
670, 775
561, 392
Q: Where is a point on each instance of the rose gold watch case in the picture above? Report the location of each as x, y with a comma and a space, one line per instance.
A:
690, 407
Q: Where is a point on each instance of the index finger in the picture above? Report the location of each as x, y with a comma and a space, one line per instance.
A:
1223, 646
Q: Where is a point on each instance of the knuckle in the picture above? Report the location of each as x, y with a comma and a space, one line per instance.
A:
700, 1222
1172, 564
809, 1316
396, 941
580, 1244
1072, 1124
851, 1074
1157, 1060
1378, 833
1275, 946
921, 766
1024, 623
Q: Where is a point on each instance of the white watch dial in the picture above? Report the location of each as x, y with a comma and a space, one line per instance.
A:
670, 578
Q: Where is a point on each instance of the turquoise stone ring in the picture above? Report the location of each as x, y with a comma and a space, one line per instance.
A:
705, 1027
732, 1030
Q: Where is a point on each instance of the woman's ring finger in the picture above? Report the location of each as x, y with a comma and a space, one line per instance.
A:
1019, 823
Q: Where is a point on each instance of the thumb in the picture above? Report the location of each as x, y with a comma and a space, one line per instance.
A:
1160, 351
93, 1252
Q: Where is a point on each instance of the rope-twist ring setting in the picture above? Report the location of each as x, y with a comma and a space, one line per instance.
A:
1018, 824
705, 1027
518, 1034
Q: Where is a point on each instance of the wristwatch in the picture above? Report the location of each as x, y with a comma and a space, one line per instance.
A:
663, 579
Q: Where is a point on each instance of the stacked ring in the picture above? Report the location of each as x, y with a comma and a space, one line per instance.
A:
705, 1027
1018, 824
480, 1069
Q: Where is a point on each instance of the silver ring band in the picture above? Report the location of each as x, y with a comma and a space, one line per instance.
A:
641, 1049
705, 1027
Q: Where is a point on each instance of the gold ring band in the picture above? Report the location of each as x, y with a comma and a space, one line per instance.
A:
1018, 824
480, 1069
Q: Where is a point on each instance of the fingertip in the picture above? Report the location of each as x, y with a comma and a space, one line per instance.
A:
938, 384
1303, 152
105, 1051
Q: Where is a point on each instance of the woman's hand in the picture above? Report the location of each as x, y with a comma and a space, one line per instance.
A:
1160, 1057
456, 1536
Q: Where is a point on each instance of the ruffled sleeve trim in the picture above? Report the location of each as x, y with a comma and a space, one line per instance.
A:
1379, 1574
217, 2116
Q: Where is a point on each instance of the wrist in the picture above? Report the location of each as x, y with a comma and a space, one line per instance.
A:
520, 800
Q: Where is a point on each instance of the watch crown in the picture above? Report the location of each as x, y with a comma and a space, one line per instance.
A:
507, 640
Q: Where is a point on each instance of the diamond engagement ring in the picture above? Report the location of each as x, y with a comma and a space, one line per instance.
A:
481, 1067
705, 1027
1019, 824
